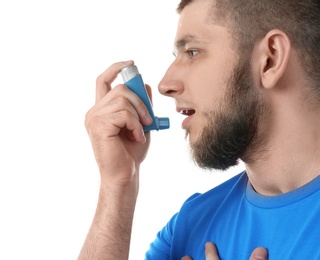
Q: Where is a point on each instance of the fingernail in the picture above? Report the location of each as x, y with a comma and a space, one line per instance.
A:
144, 139
148, 119
260, 253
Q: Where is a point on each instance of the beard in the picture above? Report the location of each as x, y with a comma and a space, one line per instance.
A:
232, 131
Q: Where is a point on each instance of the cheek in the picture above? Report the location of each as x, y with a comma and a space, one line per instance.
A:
211, 85
210, 95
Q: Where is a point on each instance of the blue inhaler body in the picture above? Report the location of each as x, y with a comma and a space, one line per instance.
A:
133, 80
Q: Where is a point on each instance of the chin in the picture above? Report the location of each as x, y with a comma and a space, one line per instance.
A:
191, 137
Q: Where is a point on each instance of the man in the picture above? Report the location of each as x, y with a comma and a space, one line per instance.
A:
247, 77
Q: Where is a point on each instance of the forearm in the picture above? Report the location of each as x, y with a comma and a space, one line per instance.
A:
110, 232
114, 126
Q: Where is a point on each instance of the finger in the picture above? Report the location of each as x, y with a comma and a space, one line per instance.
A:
259, 253
134, 130
149, 91
211, 252
109, 125
113, 103
103, 83
121, 97
186, 258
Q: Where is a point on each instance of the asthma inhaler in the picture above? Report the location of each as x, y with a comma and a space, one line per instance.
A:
133, 80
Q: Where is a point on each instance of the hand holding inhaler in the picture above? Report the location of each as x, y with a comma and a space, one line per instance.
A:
133, 80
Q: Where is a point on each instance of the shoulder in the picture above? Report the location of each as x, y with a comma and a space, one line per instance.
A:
218, 194
195, 211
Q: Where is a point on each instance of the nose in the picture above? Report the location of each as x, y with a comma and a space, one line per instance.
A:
171, 83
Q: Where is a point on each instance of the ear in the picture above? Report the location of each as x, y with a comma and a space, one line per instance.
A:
273, 57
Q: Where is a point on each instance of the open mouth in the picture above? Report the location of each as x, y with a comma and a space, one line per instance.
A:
187, 112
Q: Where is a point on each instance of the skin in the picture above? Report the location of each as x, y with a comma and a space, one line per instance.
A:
211, 253
115, 130
197, 79
290, 129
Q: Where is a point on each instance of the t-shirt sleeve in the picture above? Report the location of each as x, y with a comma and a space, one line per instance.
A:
160, 248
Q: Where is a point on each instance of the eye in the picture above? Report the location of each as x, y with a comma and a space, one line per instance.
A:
192, 53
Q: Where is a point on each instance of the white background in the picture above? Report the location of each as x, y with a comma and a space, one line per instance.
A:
50, 55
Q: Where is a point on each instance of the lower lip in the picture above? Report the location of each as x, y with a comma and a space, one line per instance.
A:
186, 122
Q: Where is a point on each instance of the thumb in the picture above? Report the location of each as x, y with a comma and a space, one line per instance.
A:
259, 253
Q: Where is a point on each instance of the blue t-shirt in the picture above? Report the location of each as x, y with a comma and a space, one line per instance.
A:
237, 219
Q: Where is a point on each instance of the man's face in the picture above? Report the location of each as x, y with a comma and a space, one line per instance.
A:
212, 85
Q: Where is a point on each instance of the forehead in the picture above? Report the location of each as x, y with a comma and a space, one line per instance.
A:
197, 12
198, 24
195, 20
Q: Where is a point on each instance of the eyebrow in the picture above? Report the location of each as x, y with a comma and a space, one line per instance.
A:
182, 42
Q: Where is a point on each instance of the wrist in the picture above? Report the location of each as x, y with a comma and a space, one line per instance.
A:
121, 193
124, 179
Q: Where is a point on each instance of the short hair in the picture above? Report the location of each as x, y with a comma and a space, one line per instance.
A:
250, 20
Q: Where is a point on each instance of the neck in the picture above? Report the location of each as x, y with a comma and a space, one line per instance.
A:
290, 156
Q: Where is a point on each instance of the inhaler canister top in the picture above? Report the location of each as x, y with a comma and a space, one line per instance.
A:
129, 73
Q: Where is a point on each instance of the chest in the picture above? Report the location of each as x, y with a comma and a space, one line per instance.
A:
291, 232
